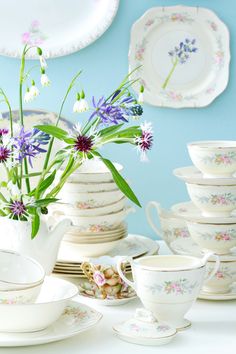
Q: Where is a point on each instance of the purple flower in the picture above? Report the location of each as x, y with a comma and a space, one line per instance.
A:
28, 144
145, 141
181, 53
3, 131
17, 208
99, 278
4, 154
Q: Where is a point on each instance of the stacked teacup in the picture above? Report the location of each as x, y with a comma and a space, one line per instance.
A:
96, 207
211, 186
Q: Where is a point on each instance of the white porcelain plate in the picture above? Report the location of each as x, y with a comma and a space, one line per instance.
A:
191, 174
188, 211
183, 53
231, 295
60, 27
76, 319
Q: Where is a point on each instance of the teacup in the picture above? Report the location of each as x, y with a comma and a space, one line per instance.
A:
214, 158
168, 285
213, 200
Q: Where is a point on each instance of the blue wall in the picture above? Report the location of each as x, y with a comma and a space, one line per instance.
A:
104, 64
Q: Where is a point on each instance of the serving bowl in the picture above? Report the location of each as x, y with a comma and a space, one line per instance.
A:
99, 223
221, 282
214, 158
218, 238
21, 278
93, 171
89, 187
91, 199
53, 298
68, 209
213, 200
89, 249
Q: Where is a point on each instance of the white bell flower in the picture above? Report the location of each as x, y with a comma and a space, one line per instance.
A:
34, 91
28, 96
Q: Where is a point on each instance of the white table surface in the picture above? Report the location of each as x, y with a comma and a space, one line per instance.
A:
213, 331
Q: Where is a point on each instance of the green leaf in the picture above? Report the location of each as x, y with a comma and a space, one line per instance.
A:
53, 131
35, 224
44, 202
109, 130
120, 181
44, 184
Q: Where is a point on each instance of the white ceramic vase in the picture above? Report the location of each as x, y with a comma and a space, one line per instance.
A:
16, 235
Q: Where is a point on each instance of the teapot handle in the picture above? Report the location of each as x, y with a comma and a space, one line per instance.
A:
156, 206
119, 263
216, 267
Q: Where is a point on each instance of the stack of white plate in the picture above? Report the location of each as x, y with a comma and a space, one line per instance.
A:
96, 207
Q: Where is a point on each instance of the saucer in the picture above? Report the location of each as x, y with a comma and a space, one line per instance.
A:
143, 329
76, 319
188, 211
191, 174
231, 295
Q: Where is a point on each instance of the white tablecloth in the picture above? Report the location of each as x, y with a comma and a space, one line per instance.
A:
213, 331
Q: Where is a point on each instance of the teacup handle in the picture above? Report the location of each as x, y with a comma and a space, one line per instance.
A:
216, 267
150, 206
119, 263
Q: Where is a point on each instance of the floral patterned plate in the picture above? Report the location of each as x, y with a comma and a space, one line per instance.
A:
188, 211
76, 319
191, 174
220, 297
183, 53
76, 24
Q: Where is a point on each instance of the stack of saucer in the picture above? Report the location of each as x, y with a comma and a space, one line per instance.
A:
96, 207
208, 222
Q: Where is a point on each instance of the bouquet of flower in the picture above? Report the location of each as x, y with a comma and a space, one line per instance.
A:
108, 122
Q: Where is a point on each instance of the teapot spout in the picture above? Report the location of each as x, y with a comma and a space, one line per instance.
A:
59, 230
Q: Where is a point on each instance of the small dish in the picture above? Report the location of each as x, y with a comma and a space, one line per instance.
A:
188, 211
231, 295
191, 174
214, 158
213, 200
143, 329
50, 304
75, 319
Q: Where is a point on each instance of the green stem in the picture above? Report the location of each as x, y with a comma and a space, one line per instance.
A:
22, 70
170, 74
58, 118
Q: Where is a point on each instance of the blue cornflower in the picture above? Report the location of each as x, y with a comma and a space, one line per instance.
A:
181, 53
28, 144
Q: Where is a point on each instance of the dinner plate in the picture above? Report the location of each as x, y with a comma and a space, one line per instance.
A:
191, 174
188, 211
132, 246
76, 319
32, 118
60, 27
183, 56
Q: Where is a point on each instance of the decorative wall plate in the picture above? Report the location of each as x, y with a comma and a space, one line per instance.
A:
183, 53
60, 27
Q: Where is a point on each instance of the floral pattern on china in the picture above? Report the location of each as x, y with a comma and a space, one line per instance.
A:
175, 287
221, 159
218, 199
223, 273
203, 76
225, 236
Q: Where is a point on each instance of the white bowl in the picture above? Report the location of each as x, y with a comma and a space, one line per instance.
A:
213, 200
98, 223
90, 249
218, 238
91, 200
53, 298
214, 158
93, 171
20, 278
89, 187
68, 209
223, 279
